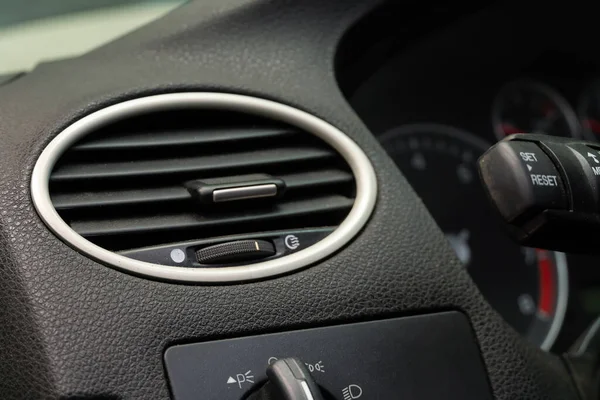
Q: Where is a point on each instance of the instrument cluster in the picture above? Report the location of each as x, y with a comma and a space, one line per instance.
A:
530, 106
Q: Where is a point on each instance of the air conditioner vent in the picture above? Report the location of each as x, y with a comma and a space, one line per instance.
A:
123, 181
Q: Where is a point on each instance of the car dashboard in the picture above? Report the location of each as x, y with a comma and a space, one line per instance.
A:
243, 199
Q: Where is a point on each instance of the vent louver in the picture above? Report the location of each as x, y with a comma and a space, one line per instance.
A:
122, 184
123, 187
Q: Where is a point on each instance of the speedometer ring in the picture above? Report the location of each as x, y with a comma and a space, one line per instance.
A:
528, 287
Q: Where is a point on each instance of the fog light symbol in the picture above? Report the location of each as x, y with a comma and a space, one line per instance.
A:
352, 392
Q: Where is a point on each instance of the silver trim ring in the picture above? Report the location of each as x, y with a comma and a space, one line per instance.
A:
364, 174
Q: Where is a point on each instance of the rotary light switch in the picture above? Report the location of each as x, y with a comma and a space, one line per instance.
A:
289, 379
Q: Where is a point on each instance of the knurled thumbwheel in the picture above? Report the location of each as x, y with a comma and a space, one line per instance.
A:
240, 250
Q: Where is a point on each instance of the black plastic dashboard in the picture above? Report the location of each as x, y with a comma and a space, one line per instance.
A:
74, 328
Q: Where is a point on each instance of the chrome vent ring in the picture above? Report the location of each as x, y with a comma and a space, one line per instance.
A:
360, 166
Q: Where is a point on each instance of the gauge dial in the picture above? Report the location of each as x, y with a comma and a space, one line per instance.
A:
589, 112
532, 107
528, 287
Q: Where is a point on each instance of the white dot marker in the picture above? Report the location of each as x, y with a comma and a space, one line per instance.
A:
178, 256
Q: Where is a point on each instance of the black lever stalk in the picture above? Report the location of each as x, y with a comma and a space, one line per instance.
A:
547, 190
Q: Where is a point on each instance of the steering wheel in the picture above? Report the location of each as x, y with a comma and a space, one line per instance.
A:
72, 326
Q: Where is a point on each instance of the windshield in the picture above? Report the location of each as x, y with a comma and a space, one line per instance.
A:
35, 31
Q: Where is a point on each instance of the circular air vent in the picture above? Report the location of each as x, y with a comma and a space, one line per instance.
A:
204, 187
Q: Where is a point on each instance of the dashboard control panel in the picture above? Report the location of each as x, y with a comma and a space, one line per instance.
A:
394, 358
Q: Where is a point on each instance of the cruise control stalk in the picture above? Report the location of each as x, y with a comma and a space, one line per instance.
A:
547, 190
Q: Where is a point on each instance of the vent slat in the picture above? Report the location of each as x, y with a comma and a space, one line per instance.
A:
178, 138
113, 198
70, 201
317, 178
128, 226
217, 163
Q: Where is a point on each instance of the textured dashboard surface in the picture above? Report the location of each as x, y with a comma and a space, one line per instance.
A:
72, 328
